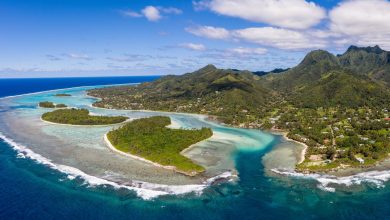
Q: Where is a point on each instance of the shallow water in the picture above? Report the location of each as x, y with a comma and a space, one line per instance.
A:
83, 147
30, 189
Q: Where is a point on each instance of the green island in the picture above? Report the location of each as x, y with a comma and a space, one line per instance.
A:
51, 105
338, 106
150, 139
80, 117
62, 95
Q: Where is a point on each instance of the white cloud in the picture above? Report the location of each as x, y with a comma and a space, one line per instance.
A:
209, 32
279, 38
296, 14
382, 40
200, 5
363, 22
192, 46
133, 14
170, 10
245, 51
151, 13
127, 57
361, 16
130, 58
78, 56
324, 33
267, 36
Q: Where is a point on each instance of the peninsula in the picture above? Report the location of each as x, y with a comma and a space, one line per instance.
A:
150, 140
337, 105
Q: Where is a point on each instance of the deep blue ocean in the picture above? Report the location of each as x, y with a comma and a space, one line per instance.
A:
32, 191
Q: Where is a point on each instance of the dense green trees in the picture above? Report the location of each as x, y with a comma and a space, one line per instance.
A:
151, 139
47, 105
62, 95
80, 117
334, 104
51, 105
229, 94
342, 89
61, 106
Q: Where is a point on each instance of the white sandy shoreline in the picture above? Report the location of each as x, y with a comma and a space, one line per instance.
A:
305, 146
143, 189
355, 179
112, 148
304, 150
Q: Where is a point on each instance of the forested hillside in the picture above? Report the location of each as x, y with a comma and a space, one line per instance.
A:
337, 105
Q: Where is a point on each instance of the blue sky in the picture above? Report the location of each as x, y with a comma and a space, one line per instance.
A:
53, 38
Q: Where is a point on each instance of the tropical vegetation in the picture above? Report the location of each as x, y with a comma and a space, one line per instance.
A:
63, 95
149, 138
51, 105
80, 117
337, 105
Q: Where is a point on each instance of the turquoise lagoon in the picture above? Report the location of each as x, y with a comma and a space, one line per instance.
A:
249, 172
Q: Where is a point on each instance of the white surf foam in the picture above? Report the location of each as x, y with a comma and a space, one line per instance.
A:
378, 178
144, 190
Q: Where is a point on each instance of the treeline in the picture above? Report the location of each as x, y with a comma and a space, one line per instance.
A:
151, 139
80, 117
51, 105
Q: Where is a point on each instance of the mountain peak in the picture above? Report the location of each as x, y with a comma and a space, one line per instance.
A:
208, 67
376, 49
317, 56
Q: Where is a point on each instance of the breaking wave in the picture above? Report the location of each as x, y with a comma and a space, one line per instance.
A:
144, 190
378, 178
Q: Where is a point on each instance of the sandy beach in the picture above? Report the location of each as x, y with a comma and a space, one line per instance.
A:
304, 150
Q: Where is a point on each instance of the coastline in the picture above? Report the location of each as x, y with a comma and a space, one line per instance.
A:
153, 111
144, 190
111, 147
214, 119
337, 172
280, 133
55, 90
54, 123
284, 134
173, 168
300, 159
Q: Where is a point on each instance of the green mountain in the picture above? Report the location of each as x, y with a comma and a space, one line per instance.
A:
371, 61
338, 88
356, 78
307, 72
225, 93
336, 105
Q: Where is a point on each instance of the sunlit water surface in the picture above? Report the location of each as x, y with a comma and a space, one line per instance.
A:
59, 171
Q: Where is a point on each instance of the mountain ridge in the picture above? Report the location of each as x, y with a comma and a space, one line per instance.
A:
216, 87
335, 107
372, 62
